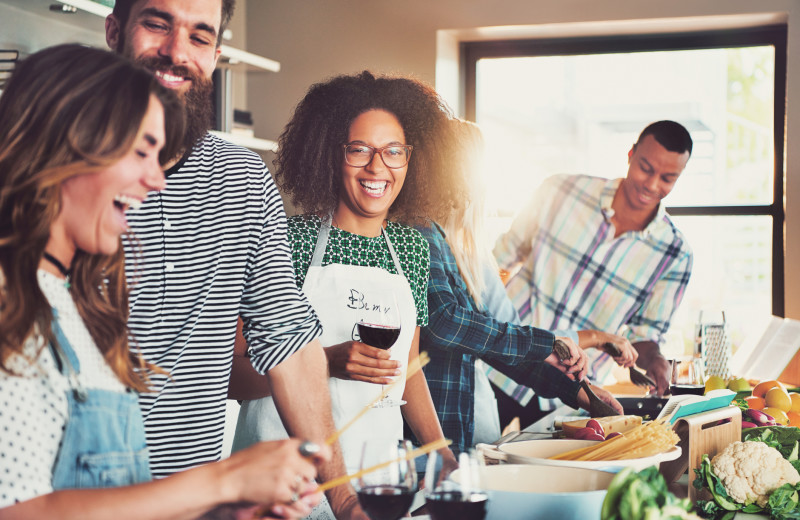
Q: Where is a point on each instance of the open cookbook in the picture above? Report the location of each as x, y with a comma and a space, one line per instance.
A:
682, 405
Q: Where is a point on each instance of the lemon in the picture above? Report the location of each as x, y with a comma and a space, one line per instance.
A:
714, 383
778, 398
777, 414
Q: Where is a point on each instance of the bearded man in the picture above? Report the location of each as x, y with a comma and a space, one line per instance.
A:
211, 248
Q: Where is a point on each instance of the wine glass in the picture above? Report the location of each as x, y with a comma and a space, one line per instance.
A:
455, 494
386, 493
687, 376
380, 327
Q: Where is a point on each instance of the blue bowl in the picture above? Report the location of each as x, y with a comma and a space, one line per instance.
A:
527, 492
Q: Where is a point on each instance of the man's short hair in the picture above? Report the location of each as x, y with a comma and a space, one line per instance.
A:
669, 134
122, 11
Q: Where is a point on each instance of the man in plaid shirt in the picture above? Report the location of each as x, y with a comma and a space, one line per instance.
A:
593, 253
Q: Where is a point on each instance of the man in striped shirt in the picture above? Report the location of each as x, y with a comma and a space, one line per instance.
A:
593, 253
209, 249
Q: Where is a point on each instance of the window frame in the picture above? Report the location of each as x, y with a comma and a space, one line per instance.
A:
774, 35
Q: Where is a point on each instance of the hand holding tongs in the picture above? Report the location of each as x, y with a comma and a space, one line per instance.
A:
597, 407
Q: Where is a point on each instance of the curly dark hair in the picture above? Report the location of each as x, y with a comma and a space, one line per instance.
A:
308, 166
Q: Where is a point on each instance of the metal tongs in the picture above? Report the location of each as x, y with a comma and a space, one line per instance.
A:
637, 378
597, 407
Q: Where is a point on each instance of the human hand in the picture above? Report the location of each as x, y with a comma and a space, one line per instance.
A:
568, 358
658, 370
275, 475
604, 395
361, 362
617, 347
655, 364
620, 349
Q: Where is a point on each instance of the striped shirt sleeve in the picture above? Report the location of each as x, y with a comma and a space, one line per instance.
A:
278, 319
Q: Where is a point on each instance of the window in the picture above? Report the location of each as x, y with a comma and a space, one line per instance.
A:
577, 105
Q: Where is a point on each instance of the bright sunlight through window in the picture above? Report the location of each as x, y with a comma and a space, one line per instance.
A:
581, 114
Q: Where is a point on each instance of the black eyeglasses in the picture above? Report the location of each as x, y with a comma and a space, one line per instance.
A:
393, 156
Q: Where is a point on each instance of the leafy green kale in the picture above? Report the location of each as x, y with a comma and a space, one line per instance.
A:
642, 496
722, 502
783, 502
782, 438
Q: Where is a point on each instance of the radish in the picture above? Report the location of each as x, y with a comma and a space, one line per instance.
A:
596, 426
759, 417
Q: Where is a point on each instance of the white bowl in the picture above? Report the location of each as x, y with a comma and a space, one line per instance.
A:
538, 452
526, 492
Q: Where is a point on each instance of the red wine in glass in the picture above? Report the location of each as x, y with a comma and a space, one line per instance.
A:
385, 502
378, 336
382, 337
447, 505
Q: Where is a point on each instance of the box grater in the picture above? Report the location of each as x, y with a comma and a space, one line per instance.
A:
714, 345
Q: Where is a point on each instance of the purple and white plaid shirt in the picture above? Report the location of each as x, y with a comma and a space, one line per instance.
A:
575, 275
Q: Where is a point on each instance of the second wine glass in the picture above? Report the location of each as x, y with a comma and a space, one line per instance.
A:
386, 493
456, 494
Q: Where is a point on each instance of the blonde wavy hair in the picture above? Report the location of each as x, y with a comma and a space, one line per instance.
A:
69, 110
463, 227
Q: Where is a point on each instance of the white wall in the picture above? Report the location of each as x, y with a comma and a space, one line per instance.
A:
315, 39
28, 32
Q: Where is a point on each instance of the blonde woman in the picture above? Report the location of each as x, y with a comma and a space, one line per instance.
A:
83, 136
464, 328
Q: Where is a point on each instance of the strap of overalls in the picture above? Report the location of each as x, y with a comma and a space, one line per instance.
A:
67, 360
322, 243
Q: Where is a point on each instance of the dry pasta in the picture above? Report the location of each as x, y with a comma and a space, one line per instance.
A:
643, 441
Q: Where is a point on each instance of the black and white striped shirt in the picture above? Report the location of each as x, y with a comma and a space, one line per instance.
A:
212, 247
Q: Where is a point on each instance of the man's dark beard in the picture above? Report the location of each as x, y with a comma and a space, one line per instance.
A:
197, 101
199, 104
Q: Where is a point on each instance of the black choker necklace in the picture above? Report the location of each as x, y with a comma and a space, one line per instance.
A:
58, 265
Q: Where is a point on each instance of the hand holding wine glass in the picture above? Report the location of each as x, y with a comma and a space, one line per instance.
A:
387, 493
357, 361
381, 329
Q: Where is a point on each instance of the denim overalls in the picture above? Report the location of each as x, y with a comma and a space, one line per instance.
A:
103, 443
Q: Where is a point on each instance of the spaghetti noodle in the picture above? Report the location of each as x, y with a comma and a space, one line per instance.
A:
643, 441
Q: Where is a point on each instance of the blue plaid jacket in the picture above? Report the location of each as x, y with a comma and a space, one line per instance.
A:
458, 333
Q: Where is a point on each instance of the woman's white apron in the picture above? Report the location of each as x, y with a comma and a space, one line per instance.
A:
342, 295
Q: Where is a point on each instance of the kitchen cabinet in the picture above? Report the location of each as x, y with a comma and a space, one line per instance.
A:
87, 20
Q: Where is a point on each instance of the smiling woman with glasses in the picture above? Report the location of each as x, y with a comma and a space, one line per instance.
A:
346, 160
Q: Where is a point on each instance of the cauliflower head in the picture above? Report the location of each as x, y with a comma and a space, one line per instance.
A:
751, 470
